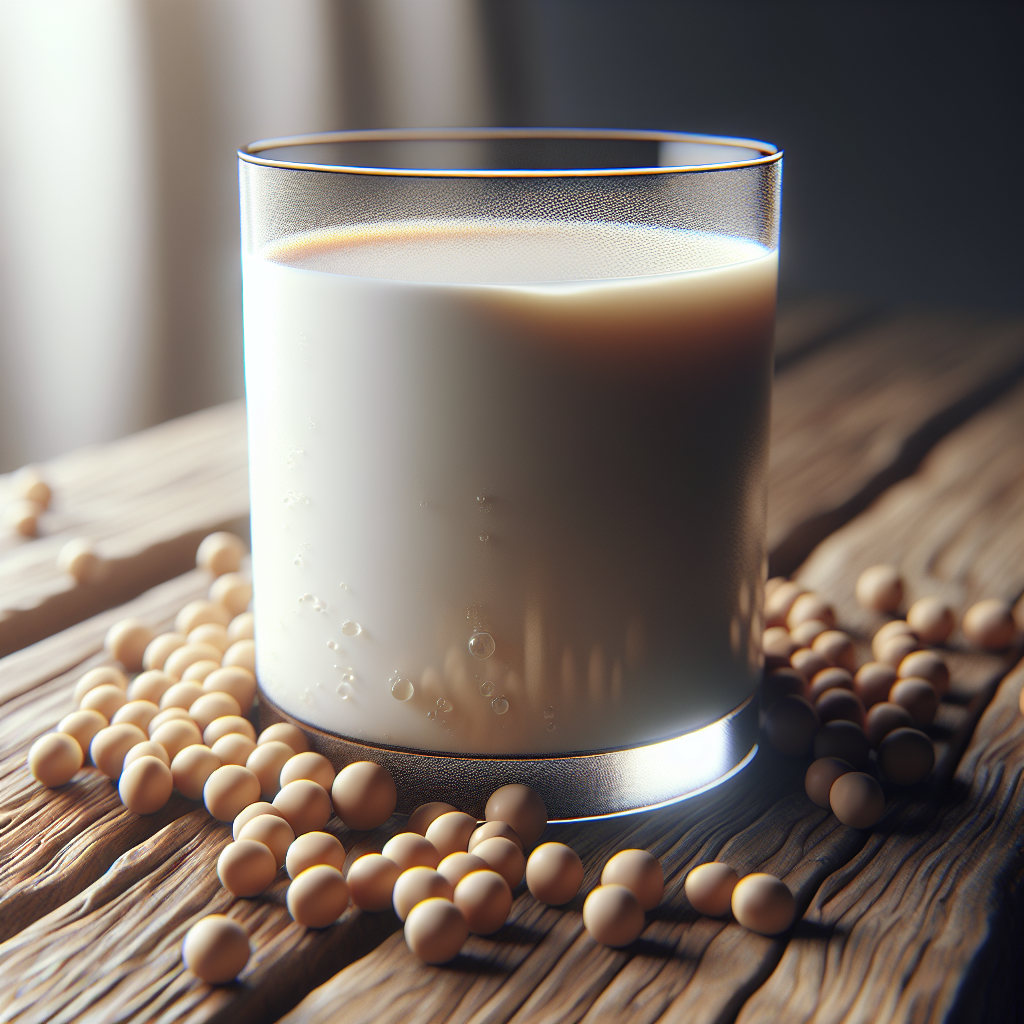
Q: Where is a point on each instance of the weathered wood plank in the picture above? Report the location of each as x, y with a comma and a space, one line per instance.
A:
859, 414
145, 502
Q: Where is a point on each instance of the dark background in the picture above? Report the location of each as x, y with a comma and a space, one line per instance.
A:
901, 122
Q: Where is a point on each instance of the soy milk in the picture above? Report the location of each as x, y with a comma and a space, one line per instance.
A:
508, 480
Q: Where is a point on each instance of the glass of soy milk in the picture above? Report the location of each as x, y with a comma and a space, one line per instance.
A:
508, 397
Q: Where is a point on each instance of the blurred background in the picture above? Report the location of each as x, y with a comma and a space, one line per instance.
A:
120, 292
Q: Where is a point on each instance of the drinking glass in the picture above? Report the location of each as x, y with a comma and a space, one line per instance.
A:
508, 397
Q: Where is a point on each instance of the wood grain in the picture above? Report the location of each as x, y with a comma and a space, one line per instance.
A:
145, 502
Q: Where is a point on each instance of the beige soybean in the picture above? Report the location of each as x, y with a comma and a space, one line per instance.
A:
371, 881
216, 949
411, 850
837, 647
820, 776
709, 888
918, 696
364, 795
926, 665
873, 682
435, 931
105, 675
450, 832
180, 659
208, 707
804, 634
613, 916
22, 517
931, 619
233, 590
839, 703
456, 866
109, 746
273, 831
896, 627
554, 874
266, 762
150, 685
138, 712
168, 715
418, 884
220, 552
234, 748
493, 830
105, 699
763, 903
778, 646
198, 613
54, 759
246, 867
906, 756
285, 732
503, 856
420, 819
176, 735
126, 641
308, 765
241, 627
79, 559
809, 663
640, 872
842, 739
82, 726
989, 624
828, 679
181, 695
145, 749
253, 810
895, 649
313, 848
879, 588
857, 799
239, 683
229, 789
485, 900
243, 654
305, 806
28, 483
808, 607
318, 896
883, 718
790, 724
191, 767
145, 785
199, 670
211, 633
522, 808
778, 604
779, 683
225, 726
161, 648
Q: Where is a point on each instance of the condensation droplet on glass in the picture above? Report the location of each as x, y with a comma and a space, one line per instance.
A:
423, 504
500, 705
350, 628
343, 690
401, 688
444, 706
334, 645
344, 586
306, 697
431, 714
311, 422
306, 597
297, 560
290, 463
549, 712
295, 498
484, 537
481, 645
347, 675
551, 726
487, 687
483, 503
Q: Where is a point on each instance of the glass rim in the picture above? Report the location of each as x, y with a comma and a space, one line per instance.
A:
250, 154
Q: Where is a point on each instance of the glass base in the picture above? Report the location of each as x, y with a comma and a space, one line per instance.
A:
576, 785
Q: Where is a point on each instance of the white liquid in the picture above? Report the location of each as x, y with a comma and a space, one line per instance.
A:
504, 518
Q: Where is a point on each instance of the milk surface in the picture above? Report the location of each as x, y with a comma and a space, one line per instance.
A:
508, 480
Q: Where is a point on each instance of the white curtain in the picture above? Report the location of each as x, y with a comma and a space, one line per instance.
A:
119, 119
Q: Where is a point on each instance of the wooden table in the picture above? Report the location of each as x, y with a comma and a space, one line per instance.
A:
898, 435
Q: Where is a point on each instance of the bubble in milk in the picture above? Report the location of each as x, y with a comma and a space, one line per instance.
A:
306, 597
432, 714
350, 628
343, 690
334, 645
444, 706
499, 705
401, 688
344, 586
295, 498
297, 560
347, 675
481, 645
549, 712
551, 726
487, 687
